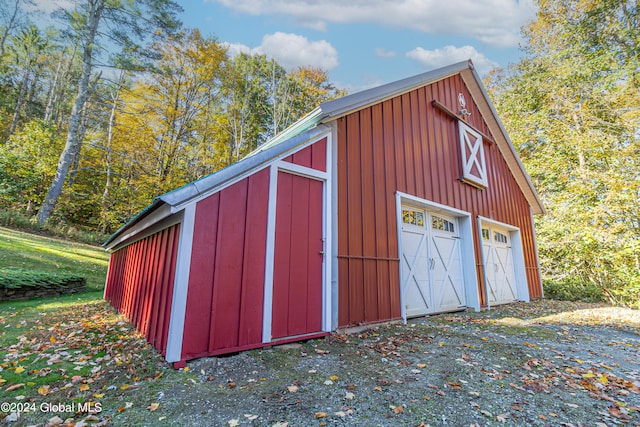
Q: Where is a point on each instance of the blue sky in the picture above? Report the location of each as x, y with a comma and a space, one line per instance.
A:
364, 43
361, 43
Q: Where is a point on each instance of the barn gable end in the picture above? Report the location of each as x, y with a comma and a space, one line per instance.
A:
410, 144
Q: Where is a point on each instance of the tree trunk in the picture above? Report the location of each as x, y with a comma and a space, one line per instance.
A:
21, 96
106, 194
82, 129
72, 145
52, 92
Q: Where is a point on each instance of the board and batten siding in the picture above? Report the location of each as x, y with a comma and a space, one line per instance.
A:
226, 281
313, 156
406, 144
140, 283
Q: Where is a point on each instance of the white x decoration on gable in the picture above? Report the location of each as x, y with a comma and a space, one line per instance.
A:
473, 164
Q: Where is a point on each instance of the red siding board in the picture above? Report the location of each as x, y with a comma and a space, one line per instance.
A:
319, 159
313, 156
154, 312
198, 314
226, 283
254, 262
134, 288
283, 261
354, 225
343, 241
228, 268
316, 257
298, 256
414, 149
418, 144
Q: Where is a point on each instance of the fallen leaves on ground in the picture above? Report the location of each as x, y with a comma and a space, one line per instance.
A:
87, 352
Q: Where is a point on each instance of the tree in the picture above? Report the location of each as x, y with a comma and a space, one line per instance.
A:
260, 99
245, 102
124, 24
26, 48
12, 17
27, 163
571, 109
309, 87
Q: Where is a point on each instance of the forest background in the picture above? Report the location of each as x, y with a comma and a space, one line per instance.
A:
119, 103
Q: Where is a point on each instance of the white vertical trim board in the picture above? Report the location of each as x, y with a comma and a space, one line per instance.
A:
104, 293
181, 285
518, 256
469, 261
267, 311
403, 307
332, 211
466, 246
484, 263
327, 234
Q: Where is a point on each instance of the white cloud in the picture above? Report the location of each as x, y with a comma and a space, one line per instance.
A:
291, 51
450, 54
384, 53
495, 22
234, 49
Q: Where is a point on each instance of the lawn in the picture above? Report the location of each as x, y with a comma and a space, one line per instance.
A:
23, 250
72, 349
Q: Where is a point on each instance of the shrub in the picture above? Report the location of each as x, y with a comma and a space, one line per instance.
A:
573, 290
18, 283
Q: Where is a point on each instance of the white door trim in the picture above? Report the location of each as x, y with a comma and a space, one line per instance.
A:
517, 252
325, 178
467, 254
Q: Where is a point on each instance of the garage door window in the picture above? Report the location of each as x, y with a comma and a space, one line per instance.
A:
438, 223
485, 234
413, 217
501, 238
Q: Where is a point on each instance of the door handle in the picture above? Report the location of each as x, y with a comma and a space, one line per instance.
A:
321, 252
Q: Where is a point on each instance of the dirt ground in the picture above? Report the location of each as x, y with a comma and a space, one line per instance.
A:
545, 363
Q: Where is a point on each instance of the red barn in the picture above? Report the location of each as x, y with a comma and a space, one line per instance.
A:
403, 200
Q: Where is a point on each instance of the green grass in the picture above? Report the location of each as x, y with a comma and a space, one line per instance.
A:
33, 252
27, 251
72, 348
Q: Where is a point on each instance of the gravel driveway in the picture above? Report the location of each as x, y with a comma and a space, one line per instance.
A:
544, 363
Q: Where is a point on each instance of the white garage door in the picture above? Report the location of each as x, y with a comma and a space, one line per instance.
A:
498, 265
431, 263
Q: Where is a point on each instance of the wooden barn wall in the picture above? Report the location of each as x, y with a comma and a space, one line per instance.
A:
313, 156
226, 282
140, 283
405, 144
